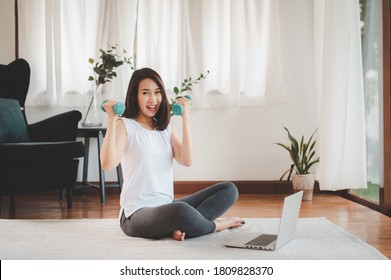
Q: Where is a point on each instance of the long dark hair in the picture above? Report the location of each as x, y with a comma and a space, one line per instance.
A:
162, 117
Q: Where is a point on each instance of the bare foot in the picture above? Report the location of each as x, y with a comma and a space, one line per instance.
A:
178, 235
224, 223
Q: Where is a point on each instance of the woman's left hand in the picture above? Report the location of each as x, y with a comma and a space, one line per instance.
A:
185, 102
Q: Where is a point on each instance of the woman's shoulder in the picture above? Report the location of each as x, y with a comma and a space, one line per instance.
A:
130, 125
128, 121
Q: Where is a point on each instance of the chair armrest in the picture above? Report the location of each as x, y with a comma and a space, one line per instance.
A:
40, 151
62, 127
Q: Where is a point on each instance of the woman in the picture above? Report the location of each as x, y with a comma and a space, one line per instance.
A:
146, 145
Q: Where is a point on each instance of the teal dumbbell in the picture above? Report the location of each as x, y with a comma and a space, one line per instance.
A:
119, 107
177, 108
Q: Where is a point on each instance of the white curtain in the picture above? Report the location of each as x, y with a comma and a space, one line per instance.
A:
339, 88
58, 37
237, 41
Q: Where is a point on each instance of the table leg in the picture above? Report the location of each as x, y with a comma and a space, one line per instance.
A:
85, 161
119, 175
101, 171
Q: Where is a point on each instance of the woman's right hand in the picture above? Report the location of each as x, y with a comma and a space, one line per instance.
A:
109, 108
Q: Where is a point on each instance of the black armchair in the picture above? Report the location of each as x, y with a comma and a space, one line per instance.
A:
15, 81
34, 157
34, 162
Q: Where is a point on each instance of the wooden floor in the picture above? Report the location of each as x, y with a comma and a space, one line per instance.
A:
371, 226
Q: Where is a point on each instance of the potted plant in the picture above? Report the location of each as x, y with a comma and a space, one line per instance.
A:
303, 158
104, 71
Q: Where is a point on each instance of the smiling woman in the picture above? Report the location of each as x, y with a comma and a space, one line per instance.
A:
149, 99
146, 93
146, 146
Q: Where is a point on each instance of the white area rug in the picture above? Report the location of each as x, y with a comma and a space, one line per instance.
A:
92, 239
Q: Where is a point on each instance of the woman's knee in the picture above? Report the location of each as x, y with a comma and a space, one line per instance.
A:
231, 190
181, 209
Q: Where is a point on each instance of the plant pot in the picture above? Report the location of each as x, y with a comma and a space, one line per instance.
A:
304, 182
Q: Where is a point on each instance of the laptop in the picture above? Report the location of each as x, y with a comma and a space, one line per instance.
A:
286, 230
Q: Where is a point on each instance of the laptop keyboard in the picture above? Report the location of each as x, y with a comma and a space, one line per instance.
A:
262, 240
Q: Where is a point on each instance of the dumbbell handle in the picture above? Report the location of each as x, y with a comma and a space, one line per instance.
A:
177, 108
119, 107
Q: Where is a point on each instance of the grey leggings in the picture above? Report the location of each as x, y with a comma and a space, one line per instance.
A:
193, 214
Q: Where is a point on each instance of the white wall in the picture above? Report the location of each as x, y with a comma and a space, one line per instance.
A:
237, 143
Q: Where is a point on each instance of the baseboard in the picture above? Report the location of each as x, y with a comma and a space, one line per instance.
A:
244, 187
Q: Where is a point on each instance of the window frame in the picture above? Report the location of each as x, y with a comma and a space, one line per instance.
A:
384, 205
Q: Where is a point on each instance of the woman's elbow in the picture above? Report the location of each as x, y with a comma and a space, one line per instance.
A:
187, 163
106, 165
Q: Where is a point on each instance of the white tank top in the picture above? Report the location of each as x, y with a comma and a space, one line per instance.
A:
147, 166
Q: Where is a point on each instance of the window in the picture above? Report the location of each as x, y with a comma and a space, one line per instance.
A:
376, 31
370, 11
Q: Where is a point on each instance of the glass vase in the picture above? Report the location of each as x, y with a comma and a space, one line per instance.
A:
93, 115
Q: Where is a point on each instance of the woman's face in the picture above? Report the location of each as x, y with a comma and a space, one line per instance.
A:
149, 97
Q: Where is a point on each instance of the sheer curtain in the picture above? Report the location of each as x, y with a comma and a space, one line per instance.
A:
339, 87
58, 38
237, 41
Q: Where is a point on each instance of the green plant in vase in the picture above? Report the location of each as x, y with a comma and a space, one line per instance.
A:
303, 158
104, 71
